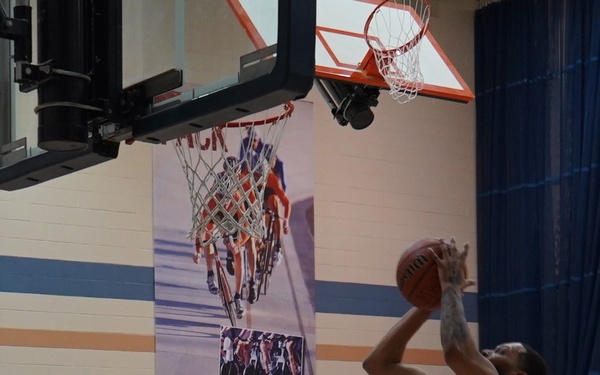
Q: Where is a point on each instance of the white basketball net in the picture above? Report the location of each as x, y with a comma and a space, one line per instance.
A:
225, 201
394, 32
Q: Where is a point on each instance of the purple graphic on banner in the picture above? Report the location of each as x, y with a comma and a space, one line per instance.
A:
253, 352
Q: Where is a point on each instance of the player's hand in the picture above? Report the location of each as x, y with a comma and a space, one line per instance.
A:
286, 226
198, 253
231, 247
259, 244
452, 267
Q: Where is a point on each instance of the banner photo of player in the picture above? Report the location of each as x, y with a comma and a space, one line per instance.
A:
191, 305
252, 352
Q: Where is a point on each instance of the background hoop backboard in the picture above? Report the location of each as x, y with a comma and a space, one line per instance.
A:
341, 50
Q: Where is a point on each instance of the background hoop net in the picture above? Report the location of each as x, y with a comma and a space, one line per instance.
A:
223, 200
394, 31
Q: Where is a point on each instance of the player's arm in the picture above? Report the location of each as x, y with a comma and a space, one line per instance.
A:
386, 357
241, 239
275, 184
204, 235
232, 245
248, 189
280, 172
460, 350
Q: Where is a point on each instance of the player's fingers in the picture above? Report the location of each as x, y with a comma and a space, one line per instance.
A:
467, 284
436, 258
470, 283
446, 251
453, 249
465, 252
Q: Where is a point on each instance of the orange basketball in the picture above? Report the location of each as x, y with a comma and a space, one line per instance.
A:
417, 274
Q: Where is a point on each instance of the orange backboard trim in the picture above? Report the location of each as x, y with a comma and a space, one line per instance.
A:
247, 24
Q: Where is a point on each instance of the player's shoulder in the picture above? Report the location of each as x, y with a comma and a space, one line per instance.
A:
272, 176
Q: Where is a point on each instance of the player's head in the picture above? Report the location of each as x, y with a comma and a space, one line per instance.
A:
232, 165
253, 137
224, 184
515, 356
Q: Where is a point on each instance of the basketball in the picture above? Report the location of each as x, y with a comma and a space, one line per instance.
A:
417, 274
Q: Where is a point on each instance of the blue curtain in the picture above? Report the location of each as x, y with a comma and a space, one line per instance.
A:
538, 181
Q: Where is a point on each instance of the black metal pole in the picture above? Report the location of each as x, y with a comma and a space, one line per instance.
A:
64, 38
22, 46
5, 88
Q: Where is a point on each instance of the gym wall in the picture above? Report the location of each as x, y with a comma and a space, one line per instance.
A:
76, 253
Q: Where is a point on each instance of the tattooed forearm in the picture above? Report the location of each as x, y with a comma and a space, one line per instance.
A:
453, 325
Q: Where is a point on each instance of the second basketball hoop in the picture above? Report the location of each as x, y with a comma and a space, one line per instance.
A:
394, 31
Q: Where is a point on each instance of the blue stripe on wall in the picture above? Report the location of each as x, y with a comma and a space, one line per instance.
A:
97, 280
373, 300
76, 279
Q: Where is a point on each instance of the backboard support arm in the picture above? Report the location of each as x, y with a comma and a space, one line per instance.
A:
350, 103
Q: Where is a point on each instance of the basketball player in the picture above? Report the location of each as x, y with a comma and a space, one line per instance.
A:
235, 247
293, 346
274, 198
227, 353
266, 340
460, 350
231, 200
250, 150
233, 167
243, 345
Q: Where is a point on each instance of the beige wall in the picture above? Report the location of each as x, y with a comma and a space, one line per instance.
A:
407, 176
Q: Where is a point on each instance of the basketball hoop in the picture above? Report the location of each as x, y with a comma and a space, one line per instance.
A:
226, 173
394, 31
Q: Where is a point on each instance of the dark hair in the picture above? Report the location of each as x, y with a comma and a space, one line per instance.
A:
532, 362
